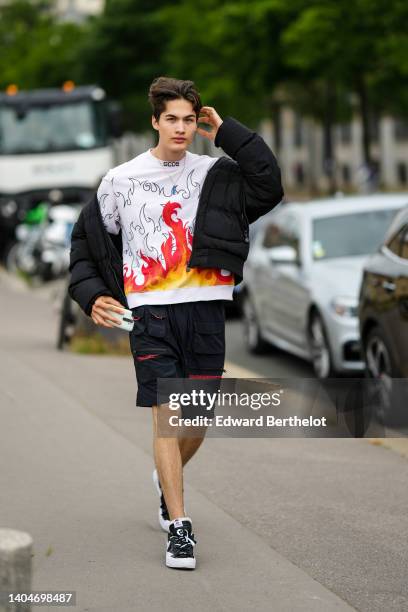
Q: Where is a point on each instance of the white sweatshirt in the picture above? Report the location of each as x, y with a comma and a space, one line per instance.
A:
154, 203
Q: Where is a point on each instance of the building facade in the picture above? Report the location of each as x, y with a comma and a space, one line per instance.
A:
300, 148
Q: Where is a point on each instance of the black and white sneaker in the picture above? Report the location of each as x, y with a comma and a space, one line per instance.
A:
180, 544
164, 517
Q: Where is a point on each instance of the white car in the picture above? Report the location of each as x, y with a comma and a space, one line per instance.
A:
303, 274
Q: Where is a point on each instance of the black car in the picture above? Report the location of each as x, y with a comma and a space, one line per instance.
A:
383, 310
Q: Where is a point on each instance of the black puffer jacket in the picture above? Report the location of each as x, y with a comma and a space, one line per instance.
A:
235, 192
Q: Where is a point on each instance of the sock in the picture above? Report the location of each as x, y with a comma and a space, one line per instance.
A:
178, 522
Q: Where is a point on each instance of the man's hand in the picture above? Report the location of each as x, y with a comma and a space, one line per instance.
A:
209, 115
100, 309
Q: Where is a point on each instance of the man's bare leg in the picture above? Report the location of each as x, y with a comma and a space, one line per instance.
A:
168, 462
170, 454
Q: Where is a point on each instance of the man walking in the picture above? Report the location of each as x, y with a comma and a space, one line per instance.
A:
167, 236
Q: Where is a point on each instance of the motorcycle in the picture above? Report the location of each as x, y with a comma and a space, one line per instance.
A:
43, 242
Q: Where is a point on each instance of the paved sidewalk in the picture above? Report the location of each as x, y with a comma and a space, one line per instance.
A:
75, 461
84, 493
83, 490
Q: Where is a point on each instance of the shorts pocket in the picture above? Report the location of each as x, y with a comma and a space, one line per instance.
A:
138, 321
153, 364
138, 327
209, 337
156, 321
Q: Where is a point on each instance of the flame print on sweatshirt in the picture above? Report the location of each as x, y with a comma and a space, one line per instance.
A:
176, 251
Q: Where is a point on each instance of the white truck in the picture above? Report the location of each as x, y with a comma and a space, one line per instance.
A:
55, 146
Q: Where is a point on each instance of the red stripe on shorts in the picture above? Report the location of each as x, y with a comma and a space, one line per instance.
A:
143, 357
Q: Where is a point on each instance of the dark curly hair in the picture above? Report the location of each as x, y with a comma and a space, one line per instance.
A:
165, 88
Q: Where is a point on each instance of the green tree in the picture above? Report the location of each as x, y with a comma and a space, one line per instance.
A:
124, 51
232, 50
345, 48
36, 51
247, 57
318, 56
389, 83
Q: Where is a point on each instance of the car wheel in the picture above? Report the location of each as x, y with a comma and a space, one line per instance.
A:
380, 366
252, 336
319, 346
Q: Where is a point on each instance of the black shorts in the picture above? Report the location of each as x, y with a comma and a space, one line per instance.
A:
185, 340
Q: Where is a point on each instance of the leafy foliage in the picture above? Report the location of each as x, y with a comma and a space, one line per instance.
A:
243, 54
36, 50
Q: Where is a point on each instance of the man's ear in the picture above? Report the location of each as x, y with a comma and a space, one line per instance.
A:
155, 123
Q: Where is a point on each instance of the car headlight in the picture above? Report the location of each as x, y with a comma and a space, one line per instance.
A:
345, 306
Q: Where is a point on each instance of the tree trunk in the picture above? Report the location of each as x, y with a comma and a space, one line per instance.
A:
277, 125
328, 152
365, 119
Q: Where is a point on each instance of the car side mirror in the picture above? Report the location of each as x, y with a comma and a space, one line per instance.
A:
283, 255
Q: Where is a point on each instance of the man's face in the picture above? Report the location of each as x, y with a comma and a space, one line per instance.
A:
176, 125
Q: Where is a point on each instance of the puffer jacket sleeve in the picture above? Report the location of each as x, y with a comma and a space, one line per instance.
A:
85, 284
261, 176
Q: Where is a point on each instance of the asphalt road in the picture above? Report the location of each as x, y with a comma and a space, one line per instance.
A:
282, 524
273, 364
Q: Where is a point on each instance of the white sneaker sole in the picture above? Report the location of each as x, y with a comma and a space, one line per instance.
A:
187, 563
